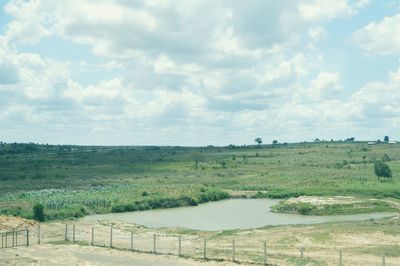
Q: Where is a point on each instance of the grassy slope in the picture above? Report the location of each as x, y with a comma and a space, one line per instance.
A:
87, 179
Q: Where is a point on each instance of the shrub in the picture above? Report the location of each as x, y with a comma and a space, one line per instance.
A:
382, 169
38, 212
305, 208
385, 158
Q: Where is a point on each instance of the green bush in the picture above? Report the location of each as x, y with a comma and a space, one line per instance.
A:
38, 212
382, 169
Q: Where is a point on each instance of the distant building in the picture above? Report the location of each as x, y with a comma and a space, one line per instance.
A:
371, 142
392, 142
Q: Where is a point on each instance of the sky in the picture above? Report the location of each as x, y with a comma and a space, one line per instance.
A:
199, 72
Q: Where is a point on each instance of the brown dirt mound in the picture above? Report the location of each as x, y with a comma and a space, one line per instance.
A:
11, 222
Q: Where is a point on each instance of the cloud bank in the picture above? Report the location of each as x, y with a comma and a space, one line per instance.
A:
191, 72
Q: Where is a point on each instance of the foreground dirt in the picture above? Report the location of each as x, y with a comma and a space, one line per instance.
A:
60, 255
361, 243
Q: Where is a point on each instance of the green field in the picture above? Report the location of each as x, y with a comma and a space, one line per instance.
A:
71, 181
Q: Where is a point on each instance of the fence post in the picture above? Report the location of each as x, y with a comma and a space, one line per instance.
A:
39, 234
180, 246
92, 235
16, 238
205, 249
66, 232
233, 250
302, 252
27, 237
340, 258
2, 240
13, 237
383, 260
73, 233
111, 236
154, 244
265, 253
132, 241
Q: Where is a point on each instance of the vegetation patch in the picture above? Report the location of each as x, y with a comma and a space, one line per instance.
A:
72, 181
380, 250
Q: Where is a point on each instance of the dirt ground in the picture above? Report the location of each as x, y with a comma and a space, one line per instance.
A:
10, 222
361, 243
48, 254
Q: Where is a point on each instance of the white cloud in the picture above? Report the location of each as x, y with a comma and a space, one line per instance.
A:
317, 33
379, 99
320, 10
381, 38
104, 92
325, 85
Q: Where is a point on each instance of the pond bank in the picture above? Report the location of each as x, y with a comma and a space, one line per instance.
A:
336, 205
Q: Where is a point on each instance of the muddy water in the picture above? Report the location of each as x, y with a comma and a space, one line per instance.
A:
224, 215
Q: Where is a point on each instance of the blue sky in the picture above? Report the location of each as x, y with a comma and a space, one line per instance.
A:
165, 72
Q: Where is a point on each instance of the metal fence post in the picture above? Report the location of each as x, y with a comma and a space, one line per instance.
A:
340, 258
6, 239
92, 235
180, 246
13, 237
302, 252
383, 260
205, 249
27, 237
39, 234
2, 240
131, 240
154, 244
111, 236
66, 232
265, 253
16, 238
233, 250
73, 233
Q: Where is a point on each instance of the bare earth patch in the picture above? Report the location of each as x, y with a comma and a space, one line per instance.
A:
319, 201
87, 255
11, 222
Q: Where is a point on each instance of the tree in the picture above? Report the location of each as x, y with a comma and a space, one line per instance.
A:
197, 157
274, 142
382, 170
38, 212
259, 141
385, 158
386, 138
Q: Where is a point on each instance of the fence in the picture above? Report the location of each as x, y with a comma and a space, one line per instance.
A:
241, 249
15, 238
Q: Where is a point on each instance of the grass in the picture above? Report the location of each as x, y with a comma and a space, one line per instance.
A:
380, 250
71, 181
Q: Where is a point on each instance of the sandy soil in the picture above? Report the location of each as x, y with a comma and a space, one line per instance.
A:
61, 255
362, 243
10, 222
319, 201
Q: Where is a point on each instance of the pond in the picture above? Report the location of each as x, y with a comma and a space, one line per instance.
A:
226, 214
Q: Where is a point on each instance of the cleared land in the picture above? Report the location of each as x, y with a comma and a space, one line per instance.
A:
361, 243
49, 254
